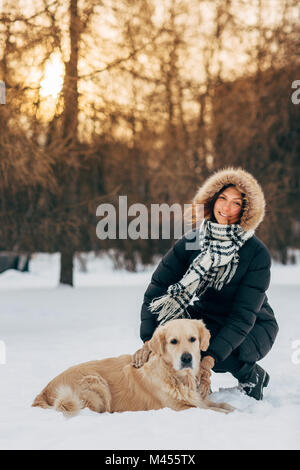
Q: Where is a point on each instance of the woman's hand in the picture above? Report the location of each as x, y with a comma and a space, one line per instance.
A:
141, 355
206, 365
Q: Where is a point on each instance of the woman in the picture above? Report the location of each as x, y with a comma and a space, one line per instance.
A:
222, 280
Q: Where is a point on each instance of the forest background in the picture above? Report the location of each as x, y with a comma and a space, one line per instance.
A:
145, 99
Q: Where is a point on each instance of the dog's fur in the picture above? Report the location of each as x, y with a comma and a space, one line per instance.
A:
113, 384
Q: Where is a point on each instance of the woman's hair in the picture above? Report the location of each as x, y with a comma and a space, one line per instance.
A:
208, 213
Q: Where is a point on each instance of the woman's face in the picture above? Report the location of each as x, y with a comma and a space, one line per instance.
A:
228, 206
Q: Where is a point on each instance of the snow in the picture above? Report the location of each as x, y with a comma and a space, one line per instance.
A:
46, 328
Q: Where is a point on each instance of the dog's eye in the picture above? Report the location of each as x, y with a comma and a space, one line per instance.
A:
174, 341
192, 339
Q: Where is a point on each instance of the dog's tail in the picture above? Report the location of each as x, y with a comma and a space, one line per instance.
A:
67, 401
221, 406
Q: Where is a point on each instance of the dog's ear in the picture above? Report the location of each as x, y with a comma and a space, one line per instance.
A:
158, 341
204, 335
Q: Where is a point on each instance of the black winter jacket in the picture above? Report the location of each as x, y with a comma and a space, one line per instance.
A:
238, 316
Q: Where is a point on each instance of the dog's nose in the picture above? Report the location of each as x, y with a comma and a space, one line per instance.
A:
186, 359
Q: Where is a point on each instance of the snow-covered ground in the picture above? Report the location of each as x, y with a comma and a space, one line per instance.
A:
45, 329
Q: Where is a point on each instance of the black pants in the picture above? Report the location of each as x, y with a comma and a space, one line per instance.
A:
242, 371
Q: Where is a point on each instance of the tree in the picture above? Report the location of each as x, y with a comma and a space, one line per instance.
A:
257, 125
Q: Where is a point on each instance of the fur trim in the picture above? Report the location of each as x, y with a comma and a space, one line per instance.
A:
254, 210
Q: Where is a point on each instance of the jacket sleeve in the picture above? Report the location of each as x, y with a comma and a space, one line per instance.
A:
247, 302
169, 271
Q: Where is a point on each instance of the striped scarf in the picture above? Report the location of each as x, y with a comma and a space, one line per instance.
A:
213, 267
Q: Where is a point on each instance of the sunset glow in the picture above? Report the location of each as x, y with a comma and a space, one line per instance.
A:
52, 82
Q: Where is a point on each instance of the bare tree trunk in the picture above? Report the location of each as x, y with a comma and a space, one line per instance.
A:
66, 267
70, 131
70, 91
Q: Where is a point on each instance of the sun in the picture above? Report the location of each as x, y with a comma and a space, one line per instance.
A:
53, 79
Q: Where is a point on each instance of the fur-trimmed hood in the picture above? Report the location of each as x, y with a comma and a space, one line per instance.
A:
254, 209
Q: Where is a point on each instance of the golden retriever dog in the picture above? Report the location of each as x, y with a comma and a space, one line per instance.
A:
168, 379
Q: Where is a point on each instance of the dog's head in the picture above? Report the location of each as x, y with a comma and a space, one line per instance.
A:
180, 342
